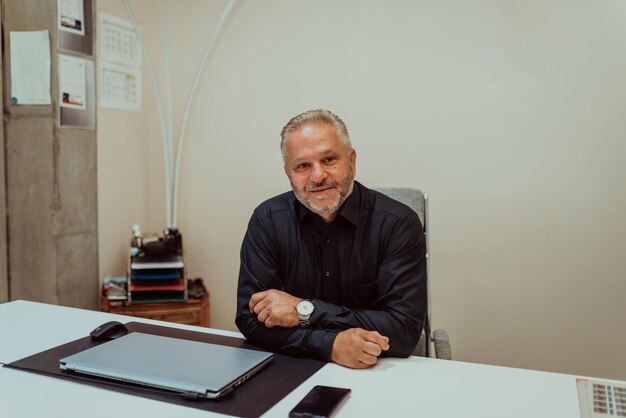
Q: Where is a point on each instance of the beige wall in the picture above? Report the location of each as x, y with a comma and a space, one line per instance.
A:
124, 170
509, 113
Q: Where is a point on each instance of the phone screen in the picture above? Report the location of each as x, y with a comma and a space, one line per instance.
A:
321, 401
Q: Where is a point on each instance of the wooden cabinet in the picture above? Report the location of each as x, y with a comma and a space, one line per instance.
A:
191, 312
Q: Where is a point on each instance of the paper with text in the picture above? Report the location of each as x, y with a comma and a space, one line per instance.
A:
30, 68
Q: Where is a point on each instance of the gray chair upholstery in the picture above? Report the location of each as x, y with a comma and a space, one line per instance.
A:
418, 201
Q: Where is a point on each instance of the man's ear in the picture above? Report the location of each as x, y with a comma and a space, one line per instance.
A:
285, 168
353, 161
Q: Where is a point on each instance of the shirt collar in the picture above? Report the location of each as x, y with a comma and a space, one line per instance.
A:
349, 210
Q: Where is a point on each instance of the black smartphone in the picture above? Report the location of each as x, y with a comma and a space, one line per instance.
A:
320, 402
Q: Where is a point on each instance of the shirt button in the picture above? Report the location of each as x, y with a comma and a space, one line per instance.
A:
327, 273
327, 241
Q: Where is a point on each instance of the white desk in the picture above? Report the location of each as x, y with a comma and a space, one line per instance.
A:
415, 386
27, 328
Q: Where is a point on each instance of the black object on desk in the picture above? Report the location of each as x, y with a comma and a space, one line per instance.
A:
320, 402
252, 399
109, 331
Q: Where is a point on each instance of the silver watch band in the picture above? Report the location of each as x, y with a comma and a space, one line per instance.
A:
304, 318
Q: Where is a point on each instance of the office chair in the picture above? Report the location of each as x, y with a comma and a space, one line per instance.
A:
418, 201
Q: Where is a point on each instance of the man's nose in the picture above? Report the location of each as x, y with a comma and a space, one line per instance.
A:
318, 174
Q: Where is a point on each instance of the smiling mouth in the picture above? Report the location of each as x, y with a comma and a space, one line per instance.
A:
320, 189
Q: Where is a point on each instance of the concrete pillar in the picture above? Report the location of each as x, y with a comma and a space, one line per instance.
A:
4, 278
51, 188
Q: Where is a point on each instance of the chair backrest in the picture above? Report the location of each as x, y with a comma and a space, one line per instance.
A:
418, 201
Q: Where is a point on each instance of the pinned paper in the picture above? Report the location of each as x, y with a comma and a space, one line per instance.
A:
120, 87
72, 82
71, 16
30, 68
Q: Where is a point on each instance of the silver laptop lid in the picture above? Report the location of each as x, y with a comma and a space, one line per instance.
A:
208, 370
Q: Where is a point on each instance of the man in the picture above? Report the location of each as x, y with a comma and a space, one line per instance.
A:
331, 270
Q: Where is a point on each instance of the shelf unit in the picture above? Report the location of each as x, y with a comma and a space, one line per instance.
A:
190, 312
157, 279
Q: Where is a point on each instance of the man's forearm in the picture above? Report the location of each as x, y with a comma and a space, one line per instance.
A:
316, 343
402, 328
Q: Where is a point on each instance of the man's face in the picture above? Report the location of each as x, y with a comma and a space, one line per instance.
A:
320, 168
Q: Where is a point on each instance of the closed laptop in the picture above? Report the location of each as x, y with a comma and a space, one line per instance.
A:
191, 368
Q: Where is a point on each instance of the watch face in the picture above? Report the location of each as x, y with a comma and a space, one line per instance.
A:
305, 308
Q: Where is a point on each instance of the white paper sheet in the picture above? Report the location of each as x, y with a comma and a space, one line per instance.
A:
120, 87
30, 68
71, 16
72, 82
118, 41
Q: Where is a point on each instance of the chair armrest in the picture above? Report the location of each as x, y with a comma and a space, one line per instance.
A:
420, 350
442, 344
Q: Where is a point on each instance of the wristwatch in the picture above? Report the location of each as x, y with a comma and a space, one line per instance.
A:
304, 309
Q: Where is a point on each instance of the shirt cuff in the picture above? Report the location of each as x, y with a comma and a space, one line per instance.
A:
324, 314
319, 343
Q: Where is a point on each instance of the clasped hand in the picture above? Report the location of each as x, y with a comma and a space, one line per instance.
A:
358, 348
275, 308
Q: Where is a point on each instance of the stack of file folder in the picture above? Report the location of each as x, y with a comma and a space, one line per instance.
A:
157, 279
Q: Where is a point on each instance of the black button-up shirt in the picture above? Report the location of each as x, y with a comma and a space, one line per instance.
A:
364, 270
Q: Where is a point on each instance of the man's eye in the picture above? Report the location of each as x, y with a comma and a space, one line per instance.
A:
329, 160
302, 166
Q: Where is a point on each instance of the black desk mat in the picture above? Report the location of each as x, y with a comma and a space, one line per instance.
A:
252, 399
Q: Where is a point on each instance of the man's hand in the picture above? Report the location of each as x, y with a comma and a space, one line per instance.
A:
358, 348
275, 308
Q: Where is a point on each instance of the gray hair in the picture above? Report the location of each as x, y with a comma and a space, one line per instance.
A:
312, 117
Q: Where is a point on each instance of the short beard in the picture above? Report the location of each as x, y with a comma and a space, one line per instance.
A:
345, 189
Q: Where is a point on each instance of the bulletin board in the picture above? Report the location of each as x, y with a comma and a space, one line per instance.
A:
75, 26
76, 73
